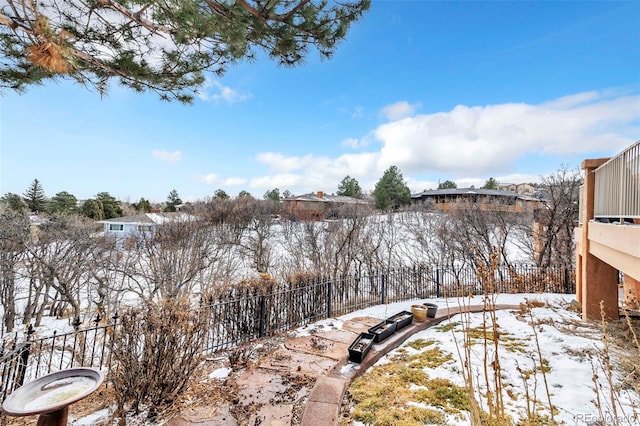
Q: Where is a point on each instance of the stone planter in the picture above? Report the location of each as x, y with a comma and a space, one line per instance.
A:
419, 312
402, 319
432, 309
382, 330
360, 346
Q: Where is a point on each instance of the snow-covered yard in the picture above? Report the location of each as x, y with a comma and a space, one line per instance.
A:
547, 355
570, 359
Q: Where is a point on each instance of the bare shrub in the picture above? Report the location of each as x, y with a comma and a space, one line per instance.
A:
615, 369
155, 351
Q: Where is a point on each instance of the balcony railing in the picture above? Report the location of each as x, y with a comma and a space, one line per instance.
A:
617, 187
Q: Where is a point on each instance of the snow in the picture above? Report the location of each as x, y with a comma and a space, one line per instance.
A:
220, 373
322, 325
567, 342
570, 347
99, 417
570, 354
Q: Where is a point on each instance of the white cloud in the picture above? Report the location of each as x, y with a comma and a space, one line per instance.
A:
352, 143
520, 177
358, 111
169, 157
214, 179
282, 181
314, 172
209, 179
399, 110
319, 165
420, 185
468, 144
279, 163
224, 93
490, 138
478, 182
467, 182
235, 181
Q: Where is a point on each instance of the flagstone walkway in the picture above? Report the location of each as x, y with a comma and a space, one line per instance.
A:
303, 380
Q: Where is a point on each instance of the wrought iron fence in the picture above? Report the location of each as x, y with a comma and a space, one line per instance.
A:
34, 358
244, 315
251, 315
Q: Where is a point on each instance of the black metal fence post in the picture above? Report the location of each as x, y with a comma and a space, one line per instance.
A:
383, 289
263, 315
567, 284
329, 298
24, 358
437, 282
22, 364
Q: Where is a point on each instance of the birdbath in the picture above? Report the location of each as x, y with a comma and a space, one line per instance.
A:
49, 396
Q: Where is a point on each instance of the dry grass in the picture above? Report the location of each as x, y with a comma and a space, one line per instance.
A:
616, 371
393, 394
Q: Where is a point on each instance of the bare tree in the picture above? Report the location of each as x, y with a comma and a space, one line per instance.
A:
333, 247
257, 232
428, 243
62, 255
558, 217
167, 263
39, 285
14, 234
477, 232
346, 238
305, 243
244, 230
107, 282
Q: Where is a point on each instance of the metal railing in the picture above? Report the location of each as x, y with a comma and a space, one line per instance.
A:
246, 314
581, 198
617, 186
34, 358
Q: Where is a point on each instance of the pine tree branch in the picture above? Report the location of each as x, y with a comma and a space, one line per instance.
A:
251, 10
287, 15
137, 17
8, 22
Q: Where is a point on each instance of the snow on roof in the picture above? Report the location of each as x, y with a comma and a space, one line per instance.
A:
151, 218
476, 191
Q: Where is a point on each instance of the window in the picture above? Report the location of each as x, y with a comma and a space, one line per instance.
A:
116, 227
145, 228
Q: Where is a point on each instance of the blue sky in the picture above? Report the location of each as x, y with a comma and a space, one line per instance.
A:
443, 90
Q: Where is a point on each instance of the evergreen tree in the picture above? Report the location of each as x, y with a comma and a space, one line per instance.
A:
447, 184
491, 183
142, 206
63, 203
173, 200
110, 205
13, 202
273, 195
35, 198
158, 46
244, 194
92, 209
349, 187
391, 192
220, 194
287, 194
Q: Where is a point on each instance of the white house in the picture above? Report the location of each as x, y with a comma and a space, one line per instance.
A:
126, 226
